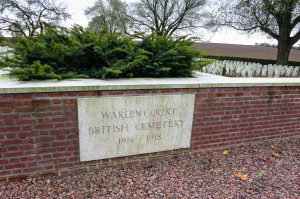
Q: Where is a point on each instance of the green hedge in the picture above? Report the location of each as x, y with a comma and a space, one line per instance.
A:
71, 53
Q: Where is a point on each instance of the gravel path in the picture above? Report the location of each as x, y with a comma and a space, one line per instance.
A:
205, 175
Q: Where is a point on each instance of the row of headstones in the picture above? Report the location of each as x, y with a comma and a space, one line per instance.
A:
248, 69
4, 51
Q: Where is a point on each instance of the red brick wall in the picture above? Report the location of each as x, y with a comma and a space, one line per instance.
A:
39, 131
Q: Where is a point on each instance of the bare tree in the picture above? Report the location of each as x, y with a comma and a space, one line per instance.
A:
168, 16
163, 16
279, 19
108, 14
26, 17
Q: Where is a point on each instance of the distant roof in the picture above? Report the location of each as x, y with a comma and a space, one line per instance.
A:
248, 51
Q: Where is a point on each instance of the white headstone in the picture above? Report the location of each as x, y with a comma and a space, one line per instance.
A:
264, 71
239, 69
258, 70
286, 68
289, 71
295, 71
209, 67
244, 72
282, 71
276, 71
214, 70
228, 69
270, 70
250, 71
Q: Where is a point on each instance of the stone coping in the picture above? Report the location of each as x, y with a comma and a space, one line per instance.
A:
200, 80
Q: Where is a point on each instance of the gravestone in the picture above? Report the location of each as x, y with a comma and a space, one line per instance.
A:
244, 72
295, 71
214, 70
276, 71
289, 71
228, 68
270, 70
239, 69
112, 127
258, 70
282, 71
208, 68
264, 71
286, 68
233, 69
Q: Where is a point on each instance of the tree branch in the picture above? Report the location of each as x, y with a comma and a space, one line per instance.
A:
295, 22
295, 38
31, 13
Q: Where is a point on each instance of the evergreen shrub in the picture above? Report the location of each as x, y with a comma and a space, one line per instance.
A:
62, 53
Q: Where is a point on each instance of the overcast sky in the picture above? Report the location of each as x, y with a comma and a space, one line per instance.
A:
77, 7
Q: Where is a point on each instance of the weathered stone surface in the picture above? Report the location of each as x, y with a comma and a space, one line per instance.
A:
295, 71
128, 125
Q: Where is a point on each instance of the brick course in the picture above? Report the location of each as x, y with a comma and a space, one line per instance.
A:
39, 131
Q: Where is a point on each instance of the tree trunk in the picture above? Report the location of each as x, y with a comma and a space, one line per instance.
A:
283, 52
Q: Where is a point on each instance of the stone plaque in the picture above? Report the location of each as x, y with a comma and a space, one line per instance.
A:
122, 126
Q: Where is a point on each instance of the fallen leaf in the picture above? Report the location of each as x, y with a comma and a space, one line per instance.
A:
293, 141
262, 173
265, 159
225, 152
241, 176
276, 155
